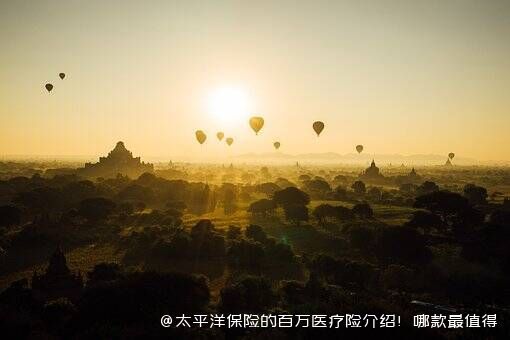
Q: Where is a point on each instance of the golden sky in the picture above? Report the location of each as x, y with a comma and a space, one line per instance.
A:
408, 77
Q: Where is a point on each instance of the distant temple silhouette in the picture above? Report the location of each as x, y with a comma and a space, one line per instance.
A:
412, 177
371, 173
118, 161
58, 280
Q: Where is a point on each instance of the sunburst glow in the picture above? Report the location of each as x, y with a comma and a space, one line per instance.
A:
229, 105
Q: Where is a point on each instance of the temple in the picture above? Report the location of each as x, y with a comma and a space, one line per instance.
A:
58, 280
371, 173
413, 177
118, 161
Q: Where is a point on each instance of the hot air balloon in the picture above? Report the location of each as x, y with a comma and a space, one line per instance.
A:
220, 135
201, 136
229, 141
62, 75
48, 87
451, 155
256, 124
276, 145
359, 148
318, 126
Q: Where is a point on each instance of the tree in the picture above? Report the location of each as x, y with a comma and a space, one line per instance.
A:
303, 178
9, 216
96, 209
500, 217
291, 196
233, 232
359, 187
316, 187
41, 200
246, 254
202, 228
361, 237
340, 179
229, 201
251, 295
103, 272
476, 195
324, 211
375, 193
79, 190
340, 193
136, 192
256, 233
343, 213
284, 183
262, 207
202, 200
408, 188
426, 187
363, 210
401, 245
296, 213
444, 203
268, 188
425, 220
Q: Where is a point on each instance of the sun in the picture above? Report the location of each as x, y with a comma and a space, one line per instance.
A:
229, 105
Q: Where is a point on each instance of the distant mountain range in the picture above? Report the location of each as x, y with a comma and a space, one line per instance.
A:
353, 158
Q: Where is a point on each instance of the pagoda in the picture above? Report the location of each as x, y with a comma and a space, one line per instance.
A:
58, 280
119, 161
371, 173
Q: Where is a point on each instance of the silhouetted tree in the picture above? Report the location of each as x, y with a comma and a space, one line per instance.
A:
359, 187
340, 193
324, 211
246, 254
476, 195
363, 210
233, 232
9, 216
296, 213
268, 188
362, 238
41, 200
343, 213
263, 207
103, 272
443, 203
425, 220
291, 196
375, 193
251, 295
229, 202
256, 233
316, 187
408, 188
426, 187
96, 209
303, 178
401, 245
136, 192
500, 217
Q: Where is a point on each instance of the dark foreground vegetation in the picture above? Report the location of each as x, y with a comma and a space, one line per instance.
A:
122, 252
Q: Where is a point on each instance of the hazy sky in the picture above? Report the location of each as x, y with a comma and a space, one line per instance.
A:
397, 76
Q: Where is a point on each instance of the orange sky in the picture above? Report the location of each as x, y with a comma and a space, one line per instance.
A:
407, 77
